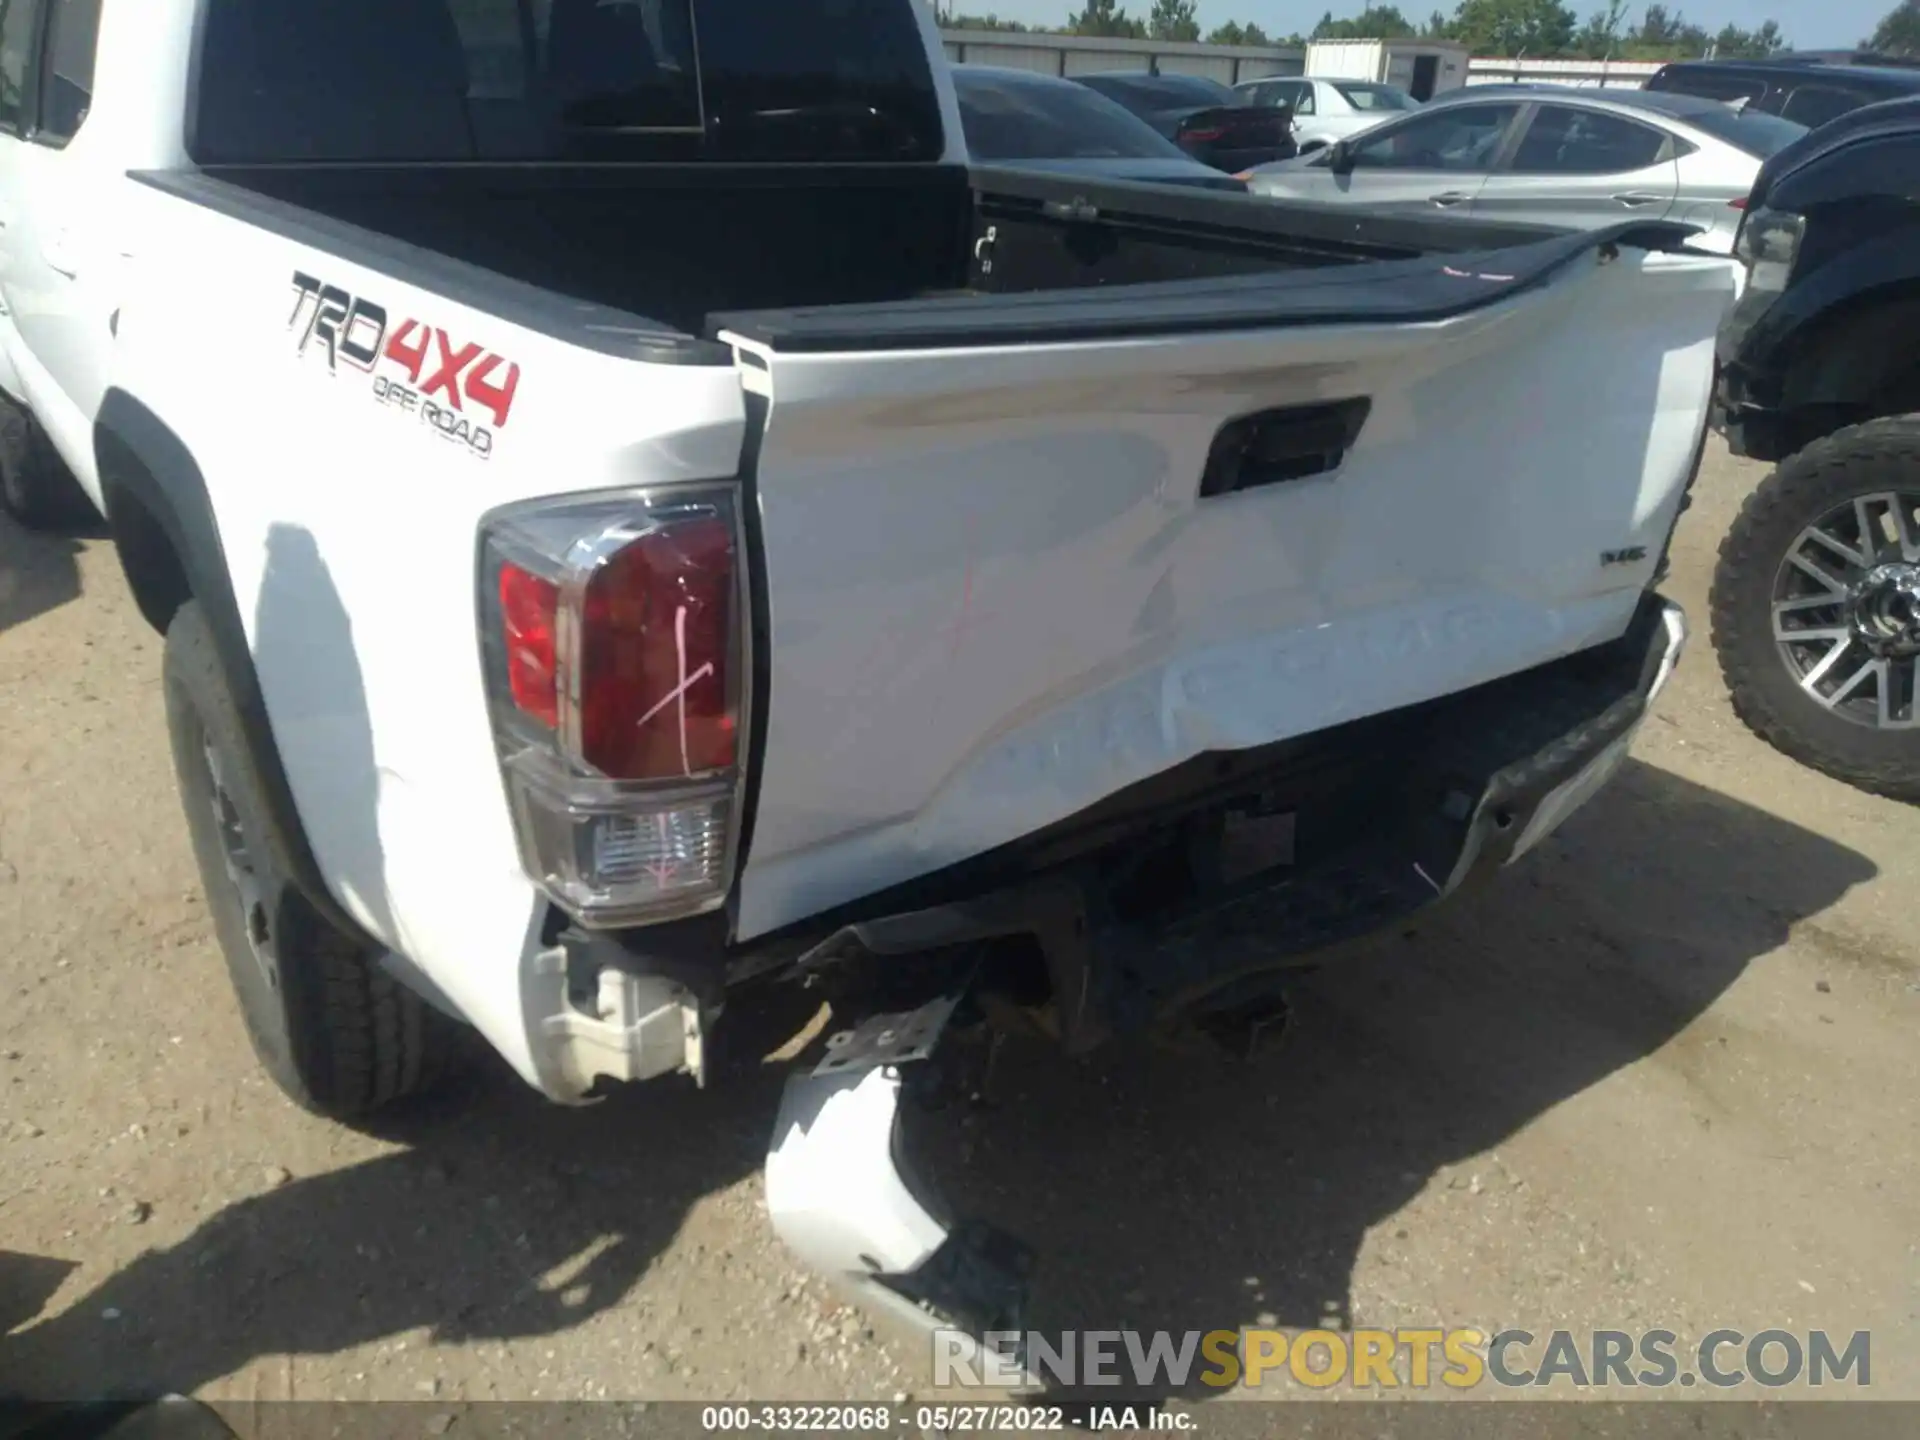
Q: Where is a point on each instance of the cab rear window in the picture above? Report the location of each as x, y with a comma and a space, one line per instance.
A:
344, 81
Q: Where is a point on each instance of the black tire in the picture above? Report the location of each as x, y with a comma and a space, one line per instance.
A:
36, 488
1878, 456
337, 1033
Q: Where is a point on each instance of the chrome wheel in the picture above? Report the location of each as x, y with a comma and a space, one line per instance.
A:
1846, 610
241, 871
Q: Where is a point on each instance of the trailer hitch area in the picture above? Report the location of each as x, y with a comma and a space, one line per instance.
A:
846, 1202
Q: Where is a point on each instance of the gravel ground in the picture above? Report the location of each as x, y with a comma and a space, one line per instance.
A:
1663, 1075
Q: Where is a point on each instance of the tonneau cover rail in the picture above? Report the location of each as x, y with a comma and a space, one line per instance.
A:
1425, 288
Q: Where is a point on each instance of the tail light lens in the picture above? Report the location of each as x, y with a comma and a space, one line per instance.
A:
529, 606
1769, 244
615, 652
1204, 136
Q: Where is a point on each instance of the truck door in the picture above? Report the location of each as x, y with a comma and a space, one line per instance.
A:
62, 253
19, 26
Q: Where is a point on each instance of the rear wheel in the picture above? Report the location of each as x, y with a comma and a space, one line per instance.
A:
36, 488
337, 1033
1816, 607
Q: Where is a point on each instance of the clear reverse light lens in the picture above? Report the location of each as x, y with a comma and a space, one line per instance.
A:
1769, 243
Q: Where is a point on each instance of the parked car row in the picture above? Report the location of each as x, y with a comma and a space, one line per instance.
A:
1686, 149
1816, 603
1182, 129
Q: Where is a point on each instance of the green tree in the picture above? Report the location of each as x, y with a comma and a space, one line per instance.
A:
1234, 33
1515, 27
1173, 20
1733, 43
1600, 36
1376, 22
1658, 27
1105, 17
1438, 27
1898, 32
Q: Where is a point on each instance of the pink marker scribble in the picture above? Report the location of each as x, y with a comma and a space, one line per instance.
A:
966, 621
679, 692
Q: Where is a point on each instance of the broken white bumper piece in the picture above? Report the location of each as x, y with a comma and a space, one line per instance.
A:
843, 1200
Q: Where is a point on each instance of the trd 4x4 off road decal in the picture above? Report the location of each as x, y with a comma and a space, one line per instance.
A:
454, 388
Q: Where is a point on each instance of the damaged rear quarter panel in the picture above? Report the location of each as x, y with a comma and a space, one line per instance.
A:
349, 526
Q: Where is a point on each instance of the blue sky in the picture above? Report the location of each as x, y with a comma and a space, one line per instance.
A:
1829, 25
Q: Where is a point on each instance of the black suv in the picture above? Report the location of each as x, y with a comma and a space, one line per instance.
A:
1810, 89
1816, 598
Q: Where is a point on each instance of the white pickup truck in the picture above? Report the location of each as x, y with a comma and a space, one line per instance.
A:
639, 523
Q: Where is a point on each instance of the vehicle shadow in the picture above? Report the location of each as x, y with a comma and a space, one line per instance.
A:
38, 573
457, 1232
26, 1283
1190, 1195
1153, 1188
491, 1189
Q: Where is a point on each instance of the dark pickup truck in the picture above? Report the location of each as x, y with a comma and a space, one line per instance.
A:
1816, 601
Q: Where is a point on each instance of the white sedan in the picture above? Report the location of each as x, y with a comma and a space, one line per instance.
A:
1328, 110
1578, 159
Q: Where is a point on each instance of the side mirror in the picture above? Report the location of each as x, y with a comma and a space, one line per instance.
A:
1340, 158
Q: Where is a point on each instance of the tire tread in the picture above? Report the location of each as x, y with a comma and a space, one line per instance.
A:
357, 1038
1800, 486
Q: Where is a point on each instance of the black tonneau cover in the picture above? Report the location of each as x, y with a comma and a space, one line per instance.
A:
1307, 265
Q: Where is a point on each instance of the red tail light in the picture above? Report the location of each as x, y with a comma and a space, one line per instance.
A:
655, 646
1206, 136
1739, 204
614, 643
528, 612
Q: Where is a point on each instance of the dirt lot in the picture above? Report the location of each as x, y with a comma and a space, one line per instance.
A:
1664, 1075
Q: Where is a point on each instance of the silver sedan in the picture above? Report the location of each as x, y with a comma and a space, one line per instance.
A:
1549, 155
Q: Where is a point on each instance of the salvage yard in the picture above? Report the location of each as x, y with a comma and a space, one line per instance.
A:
1663, 1075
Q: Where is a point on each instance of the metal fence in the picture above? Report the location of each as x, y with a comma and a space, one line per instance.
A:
1230, 64
1587, 74
1087, 55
